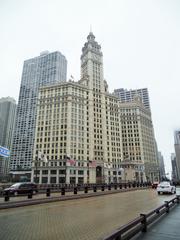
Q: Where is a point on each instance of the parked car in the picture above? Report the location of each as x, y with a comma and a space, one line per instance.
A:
1, 190
21, 188
166, 187
155, 184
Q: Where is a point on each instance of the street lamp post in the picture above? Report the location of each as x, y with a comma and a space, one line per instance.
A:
124, 173
103, 174
65, 169
36, 169
88, 172
65, 172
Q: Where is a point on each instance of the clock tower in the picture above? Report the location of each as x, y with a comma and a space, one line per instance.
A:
92, 64
92, 68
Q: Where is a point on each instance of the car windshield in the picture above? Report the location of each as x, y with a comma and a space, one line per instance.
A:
164, 183
15, 185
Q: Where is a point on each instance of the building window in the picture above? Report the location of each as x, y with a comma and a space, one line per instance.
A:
62, 171
44, 179
53, 180
45, 172
80, 172
53, 171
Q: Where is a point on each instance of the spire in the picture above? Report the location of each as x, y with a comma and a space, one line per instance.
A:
90, 28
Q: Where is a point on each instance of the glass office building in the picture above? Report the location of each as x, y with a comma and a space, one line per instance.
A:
48, 68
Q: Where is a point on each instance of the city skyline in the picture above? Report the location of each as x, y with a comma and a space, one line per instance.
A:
140, 51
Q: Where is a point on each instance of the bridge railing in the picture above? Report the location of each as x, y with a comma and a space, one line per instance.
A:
141, 223
56, 188
80, 187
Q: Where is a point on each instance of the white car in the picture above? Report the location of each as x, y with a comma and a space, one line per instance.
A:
166, 187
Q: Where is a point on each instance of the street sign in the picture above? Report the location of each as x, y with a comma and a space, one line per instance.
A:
4, 152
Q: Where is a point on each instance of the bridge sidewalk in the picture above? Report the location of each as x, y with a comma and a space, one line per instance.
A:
168, 228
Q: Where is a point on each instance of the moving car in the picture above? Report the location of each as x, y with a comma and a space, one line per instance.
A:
155, 184
21, 188
166, 187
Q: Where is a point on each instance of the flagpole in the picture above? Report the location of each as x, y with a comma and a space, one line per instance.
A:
88, 172
65, 169
36, 167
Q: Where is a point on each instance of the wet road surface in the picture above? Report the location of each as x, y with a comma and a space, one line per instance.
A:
84, 219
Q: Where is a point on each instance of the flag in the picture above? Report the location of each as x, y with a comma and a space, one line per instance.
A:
105, 164
39, 155
72, 162
108, 165
4, 152
42, 156
67, 157
92, 163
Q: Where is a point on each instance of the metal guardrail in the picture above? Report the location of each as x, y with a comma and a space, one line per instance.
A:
48, 189
141, 223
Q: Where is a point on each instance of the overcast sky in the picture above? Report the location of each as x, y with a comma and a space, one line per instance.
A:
140, 42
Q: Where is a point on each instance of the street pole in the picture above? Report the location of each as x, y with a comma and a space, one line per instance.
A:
125, 175
36, 168
88, 172
65, 170
103, 174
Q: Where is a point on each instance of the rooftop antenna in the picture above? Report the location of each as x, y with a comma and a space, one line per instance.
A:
90, 28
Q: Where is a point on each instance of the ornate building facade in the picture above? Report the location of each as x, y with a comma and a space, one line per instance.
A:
87, 134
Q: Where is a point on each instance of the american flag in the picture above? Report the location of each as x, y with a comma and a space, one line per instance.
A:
71, 161
107, 165
92, 163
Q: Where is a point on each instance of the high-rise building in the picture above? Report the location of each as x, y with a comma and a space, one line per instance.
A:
138, 141
48, 68
87, 135
7, 120
128, 95
161, 166
174, 176
177, 151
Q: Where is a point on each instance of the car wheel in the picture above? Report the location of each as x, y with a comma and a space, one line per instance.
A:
15, 193
159, 193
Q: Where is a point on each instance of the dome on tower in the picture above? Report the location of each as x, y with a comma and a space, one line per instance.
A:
91, 36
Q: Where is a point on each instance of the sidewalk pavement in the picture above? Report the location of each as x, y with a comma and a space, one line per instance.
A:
167, 228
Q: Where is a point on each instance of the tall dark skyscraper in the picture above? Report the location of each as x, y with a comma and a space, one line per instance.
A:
46, 69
